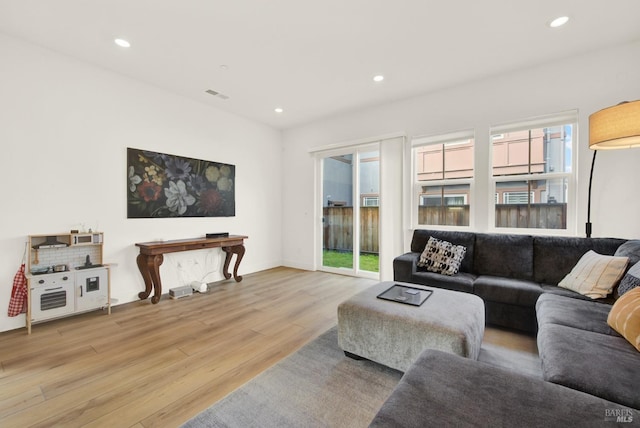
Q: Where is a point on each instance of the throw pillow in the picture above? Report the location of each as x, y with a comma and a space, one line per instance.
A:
442, 256
595, 275
630, 249
630, 280
624, 317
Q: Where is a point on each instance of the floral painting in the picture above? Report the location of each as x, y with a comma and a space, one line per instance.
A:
162, 185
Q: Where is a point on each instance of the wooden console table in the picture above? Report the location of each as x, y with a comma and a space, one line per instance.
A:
151, 257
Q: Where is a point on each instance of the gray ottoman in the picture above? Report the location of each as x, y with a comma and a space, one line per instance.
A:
394, 334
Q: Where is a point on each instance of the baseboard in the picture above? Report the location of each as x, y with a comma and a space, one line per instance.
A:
298, 265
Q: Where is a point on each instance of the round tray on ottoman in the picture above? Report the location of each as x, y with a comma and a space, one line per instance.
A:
395, 333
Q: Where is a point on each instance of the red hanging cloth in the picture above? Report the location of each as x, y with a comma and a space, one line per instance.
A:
18, 302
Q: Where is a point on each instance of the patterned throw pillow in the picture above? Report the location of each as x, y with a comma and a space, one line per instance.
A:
595, 275
630, 280
442, 257
624, 317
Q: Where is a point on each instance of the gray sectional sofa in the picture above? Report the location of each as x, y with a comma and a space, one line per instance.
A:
579, 350
509, 272
591, 372
445, 390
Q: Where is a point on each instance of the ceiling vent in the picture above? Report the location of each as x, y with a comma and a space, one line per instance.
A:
217, 94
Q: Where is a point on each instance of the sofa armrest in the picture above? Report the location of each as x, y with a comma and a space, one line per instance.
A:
405, 266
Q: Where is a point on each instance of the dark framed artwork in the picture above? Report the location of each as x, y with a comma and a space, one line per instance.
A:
161, 185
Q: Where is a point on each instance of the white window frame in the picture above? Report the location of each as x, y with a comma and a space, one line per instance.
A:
416, 186
563, 118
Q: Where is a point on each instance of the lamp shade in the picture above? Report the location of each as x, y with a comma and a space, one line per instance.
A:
616, 127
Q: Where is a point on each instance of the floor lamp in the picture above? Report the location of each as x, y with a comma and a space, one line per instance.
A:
616, 127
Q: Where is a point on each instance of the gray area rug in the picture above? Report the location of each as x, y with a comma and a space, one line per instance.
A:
319, 387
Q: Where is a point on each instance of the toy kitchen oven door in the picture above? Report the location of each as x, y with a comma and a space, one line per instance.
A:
52, 295
91, 289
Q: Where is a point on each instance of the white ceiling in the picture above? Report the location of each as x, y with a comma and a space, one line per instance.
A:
316, 58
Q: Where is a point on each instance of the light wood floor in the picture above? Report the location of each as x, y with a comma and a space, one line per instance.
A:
158, 365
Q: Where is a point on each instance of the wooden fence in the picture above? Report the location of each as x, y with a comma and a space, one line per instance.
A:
534, 216
338, 229
457, 215
338, 221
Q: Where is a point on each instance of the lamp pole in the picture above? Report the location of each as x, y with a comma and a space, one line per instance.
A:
588, 225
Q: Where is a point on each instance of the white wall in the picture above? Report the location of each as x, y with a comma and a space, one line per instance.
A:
64, 129
65, 126
587, 83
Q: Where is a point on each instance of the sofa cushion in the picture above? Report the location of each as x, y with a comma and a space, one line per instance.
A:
570, 312
444, 390
595, 274
630, 280
507, 290
598, 364
630, 249
461, 281
442, 257
509, 256
625, 317
554, 289
466, 239
555, 256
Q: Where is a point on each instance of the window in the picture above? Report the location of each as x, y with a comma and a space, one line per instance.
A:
518, 197
532, 172
438, 200
370, 201
443, 176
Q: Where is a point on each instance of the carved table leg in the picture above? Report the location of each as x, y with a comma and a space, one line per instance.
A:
155, 276
146, 276
239, 251
149, 267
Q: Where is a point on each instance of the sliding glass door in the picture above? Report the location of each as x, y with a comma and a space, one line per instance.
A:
350, 211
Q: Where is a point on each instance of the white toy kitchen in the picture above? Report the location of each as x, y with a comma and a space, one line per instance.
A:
66, 276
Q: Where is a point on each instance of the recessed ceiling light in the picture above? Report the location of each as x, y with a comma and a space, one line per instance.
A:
378, 78
559, 22
278, 110
122, 43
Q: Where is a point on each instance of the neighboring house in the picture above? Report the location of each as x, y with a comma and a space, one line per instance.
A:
514, 153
